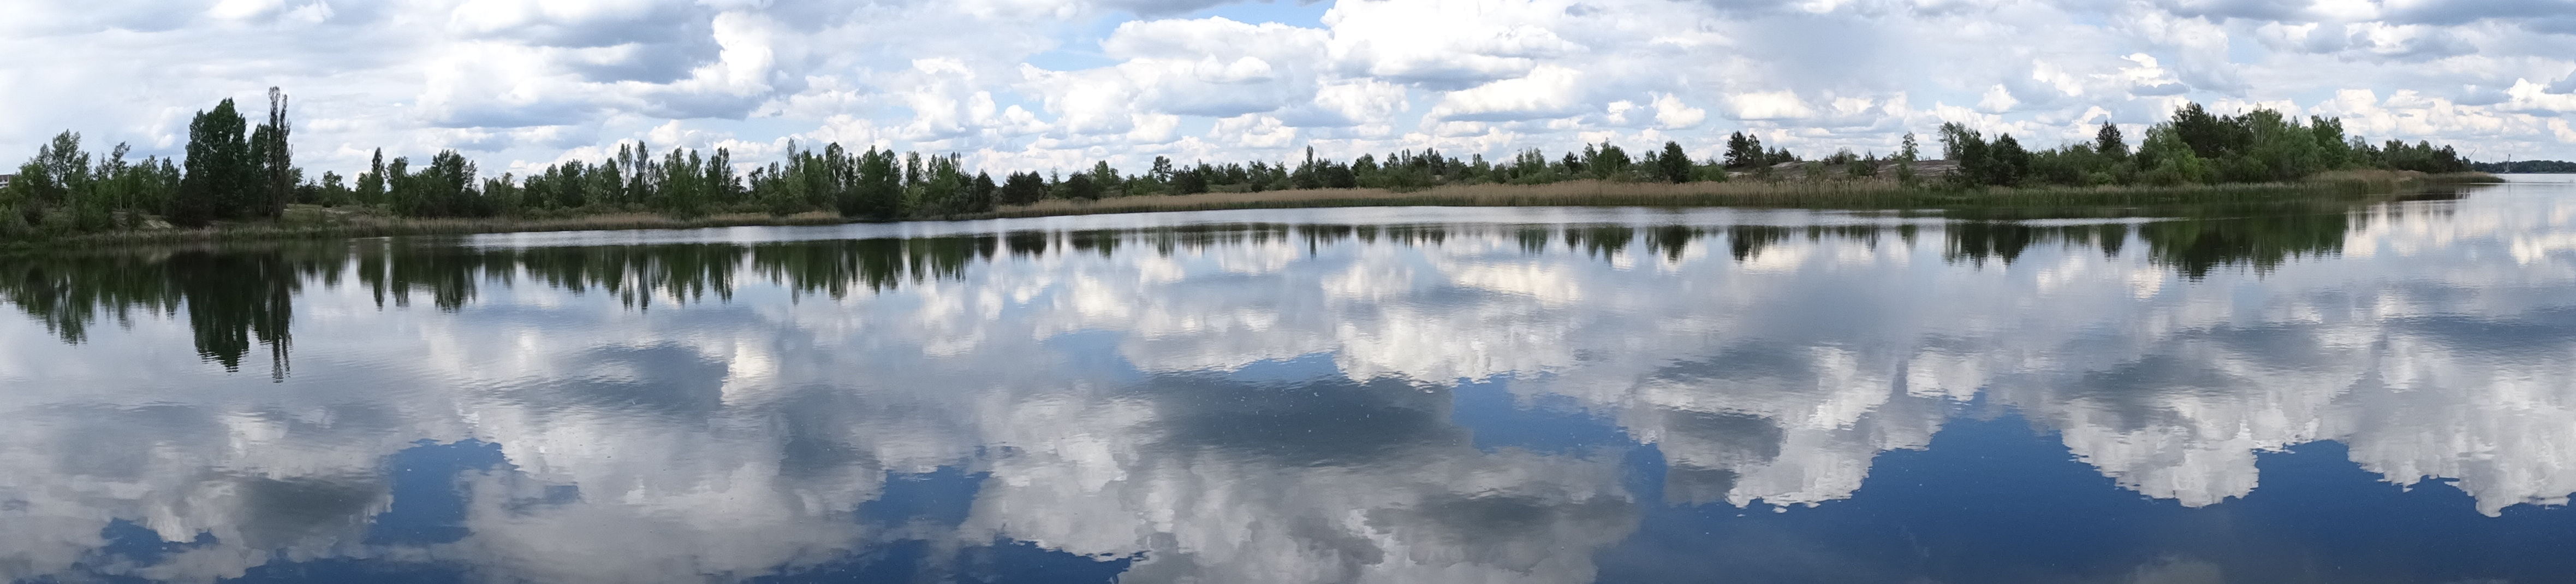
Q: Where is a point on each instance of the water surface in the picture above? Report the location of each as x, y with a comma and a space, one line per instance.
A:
2380, 392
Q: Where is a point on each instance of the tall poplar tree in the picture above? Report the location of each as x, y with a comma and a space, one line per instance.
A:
277, 160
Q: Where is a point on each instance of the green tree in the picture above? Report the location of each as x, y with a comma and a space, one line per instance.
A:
1674, 165
2165, 159
1080, 186
276, 159
223, 179
876, 188
371, 184
1744, 150
2208, 136
1907, 153
2108, 142
2333, 149
1022, 188
53, 186
2008, 163
983, 193
1105, 181
1968, 148
443, 188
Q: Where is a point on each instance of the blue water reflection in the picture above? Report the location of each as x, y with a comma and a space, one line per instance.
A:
2379, 392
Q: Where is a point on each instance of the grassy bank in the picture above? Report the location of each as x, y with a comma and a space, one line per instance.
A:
2340, 187
314, 223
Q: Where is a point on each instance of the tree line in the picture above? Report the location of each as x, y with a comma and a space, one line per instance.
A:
2192, 147
2532, 166
236, 171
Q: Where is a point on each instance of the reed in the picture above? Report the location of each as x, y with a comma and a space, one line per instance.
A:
383, 226
1835, 194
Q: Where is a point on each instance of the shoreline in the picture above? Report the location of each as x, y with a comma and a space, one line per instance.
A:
1832, 194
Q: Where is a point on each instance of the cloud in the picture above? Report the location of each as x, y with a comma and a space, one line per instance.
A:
2404, 43
1089, 391
2563, 84
1546, 92
1672, 114
1775, 105
1997, 100
2452, 12
1367, 77
1476, 41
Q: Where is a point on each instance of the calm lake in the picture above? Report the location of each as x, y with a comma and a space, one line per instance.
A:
2379, 392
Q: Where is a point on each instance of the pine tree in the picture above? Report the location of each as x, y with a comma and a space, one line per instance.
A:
1674, 163
2108, 142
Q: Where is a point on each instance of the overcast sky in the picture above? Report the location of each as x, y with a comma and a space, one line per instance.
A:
1038, 84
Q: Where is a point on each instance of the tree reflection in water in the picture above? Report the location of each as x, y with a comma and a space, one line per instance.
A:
1761, 398
238, 296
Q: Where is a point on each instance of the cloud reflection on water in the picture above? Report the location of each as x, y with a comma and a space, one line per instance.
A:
1239, 402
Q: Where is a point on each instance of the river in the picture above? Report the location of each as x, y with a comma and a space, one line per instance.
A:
2380, 392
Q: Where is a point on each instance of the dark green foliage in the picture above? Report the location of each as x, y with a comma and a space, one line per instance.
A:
982, 196
2108, 143
2334, 150
876, 189
2547, 166
1606, 161
2420, 157
443, 188
2258, 146
276, 159
1674, 165
223, 179
2006, 162
371, 184
2206, 135
2195, 146
1080, 186
1023, 188
1743, 151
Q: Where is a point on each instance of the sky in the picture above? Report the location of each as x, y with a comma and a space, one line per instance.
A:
1033, 85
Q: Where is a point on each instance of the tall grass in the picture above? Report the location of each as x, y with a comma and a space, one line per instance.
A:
294, 227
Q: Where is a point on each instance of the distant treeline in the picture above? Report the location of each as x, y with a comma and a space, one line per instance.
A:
237, 172
2193, 147
2549, 166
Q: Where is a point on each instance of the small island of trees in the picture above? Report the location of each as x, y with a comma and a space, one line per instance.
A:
238, 174
2526, 166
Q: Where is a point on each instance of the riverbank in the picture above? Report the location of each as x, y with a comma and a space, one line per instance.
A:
306, 222
1868, 194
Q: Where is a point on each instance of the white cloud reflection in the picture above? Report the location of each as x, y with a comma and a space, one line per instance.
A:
1111, 405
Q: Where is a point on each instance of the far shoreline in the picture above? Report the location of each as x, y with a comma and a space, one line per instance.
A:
1859, 195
